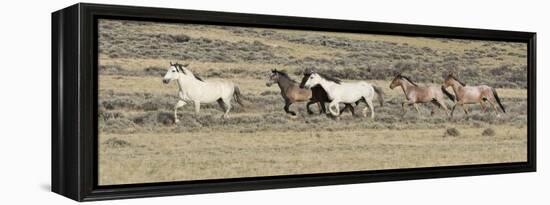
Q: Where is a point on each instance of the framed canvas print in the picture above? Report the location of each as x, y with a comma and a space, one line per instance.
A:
155, 102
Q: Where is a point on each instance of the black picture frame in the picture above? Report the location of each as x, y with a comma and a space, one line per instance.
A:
74, 102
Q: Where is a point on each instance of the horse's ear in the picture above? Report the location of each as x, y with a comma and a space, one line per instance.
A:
171, 63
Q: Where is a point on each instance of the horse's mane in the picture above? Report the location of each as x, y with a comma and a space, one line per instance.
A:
329, 78
198, 78
284, 74
461, 83
408, 79
180, 67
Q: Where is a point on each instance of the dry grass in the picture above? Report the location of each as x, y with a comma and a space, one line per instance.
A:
213, 154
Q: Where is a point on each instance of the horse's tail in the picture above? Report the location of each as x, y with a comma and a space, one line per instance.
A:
447, 93
237, 95
380, 93
498, 99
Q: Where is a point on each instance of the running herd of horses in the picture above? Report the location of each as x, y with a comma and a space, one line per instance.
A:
317, 88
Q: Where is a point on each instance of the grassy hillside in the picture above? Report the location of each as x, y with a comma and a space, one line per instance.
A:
210, 49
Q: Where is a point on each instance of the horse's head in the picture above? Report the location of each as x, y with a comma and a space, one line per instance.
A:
313, 80
304, 79
174, 72
307, 72
396, 81
273, 78
451, 80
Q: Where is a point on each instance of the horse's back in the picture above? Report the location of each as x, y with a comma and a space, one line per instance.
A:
435, 90
484, 87
216, 89
353, 91
297, 94
351, 85
486, 90
220, 84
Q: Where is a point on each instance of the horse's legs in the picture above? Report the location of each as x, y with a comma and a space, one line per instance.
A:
370, 107
407, 103
351, 109
180, 103
336, 105
348, 106
435, 104
307, 107
464, 108
452, 111
323, 107
442, 105
227, 103
287, 108
343, 109
483, 107
494, 106
197, 106
221, 104
416, 108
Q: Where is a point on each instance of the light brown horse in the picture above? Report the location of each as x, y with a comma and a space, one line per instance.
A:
420, 94
472, 94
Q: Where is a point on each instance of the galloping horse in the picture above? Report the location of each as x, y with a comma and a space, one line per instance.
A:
196, 90
420, 94
292, 93
472, 94
319, 95
345, 92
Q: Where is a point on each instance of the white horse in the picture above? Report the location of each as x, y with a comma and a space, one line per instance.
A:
342, 92
194, 89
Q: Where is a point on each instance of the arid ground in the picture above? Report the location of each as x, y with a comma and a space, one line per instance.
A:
139, 142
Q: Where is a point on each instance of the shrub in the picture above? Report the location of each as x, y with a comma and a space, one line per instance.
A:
453, 132
154, 71
488, 132
116, 143
110, 69
180, 38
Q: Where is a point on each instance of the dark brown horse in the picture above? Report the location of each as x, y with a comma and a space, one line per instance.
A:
472, 94
291, 92
420, 94
320, 96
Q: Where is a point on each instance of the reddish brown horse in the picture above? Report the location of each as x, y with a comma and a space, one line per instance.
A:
420, 94
473, 94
